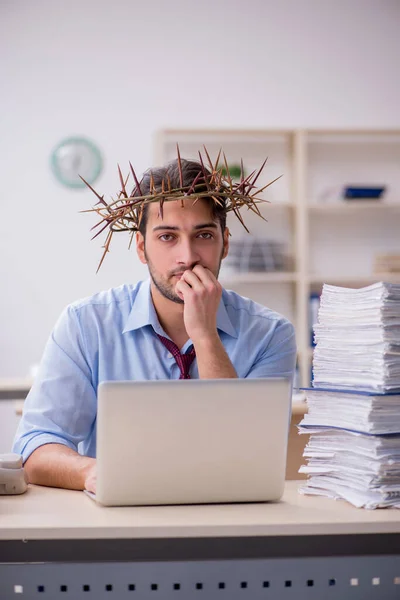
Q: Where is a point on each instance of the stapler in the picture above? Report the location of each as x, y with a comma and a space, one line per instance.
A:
12, 475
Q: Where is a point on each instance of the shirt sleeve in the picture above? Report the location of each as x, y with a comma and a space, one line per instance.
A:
278, 359
61, 406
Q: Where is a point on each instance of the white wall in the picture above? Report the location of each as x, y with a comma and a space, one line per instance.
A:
117, 71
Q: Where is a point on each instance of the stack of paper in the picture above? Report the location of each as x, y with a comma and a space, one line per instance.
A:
354, 447
362, 469
366, 412
358, 338
354, 408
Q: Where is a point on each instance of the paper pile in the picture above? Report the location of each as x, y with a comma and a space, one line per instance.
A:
354, 408
358, 338
354, 447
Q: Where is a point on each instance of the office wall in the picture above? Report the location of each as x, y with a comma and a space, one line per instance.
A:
116, 72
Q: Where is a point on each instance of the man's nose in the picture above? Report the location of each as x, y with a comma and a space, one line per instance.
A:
187, 254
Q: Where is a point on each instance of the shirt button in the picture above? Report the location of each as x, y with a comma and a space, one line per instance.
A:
170, 355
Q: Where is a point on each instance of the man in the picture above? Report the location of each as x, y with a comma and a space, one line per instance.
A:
178, 324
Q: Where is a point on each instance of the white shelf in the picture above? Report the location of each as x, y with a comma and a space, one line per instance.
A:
204, 135
277, 205
335, 136
354, 206
16, 385
267, 206
355, 280
264, 277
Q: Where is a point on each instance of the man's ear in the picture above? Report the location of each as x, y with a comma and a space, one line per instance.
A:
140, 247
226, 243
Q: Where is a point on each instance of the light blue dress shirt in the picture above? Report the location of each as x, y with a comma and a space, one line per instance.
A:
112, 336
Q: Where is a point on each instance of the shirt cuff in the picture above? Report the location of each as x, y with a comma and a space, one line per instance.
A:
40, 440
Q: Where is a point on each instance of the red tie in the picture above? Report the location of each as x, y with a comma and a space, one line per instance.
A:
182, 360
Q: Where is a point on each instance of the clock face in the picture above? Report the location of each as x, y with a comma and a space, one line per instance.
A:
76, 156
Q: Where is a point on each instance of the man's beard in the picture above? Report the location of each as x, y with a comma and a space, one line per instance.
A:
167, 290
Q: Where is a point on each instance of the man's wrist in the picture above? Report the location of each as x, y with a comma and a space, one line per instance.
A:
85, 465
206, 343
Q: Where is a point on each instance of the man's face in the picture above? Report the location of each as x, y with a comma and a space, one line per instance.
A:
183, 238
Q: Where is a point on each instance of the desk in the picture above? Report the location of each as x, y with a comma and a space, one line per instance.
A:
296, 443
302, 547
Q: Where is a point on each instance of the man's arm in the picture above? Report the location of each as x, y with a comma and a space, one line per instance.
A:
55, 465
278, 359
59, 411
213, 361
201, 292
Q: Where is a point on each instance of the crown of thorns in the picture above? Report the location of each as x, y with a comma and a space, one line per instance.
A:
126, 211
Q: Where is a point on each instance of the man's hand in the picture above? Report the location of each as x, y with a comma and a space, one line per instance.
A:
201, 293
56, 465
91, 478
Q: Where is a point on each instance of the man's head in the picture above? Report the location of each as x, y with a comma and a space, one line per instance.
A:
189, 232
170, 173
182, 180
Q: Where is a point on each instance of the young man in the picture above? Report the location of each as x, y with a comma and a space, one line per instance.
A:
178, 324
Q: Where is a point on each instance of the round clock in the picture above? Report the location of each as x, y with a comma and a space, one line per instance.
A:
76, 156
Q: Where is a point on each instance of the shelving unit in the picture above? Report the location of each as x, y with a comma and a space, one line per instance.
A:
332, 241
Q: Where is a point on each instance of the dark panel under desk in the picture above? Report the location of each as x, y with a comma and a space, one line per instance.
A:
194, 549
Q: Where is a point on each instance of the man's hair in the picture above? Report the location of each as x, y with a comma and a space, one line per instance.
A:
170, 173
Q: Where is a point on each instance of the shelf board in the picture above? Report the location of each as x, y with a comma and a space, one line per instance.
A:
11, 389
355, 279
277, 205
354, 206
266, 205
254, 277
235, 133
315, 133
14, 384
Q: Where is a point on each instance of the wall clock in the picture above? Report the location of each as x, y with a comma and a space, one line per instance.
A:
76, 156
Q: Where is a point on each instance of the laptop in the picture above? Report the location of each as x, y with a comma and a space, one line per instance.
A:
192, 441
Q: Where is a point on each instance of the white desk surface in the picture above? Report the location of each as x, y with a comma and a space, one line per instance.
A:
16, 384
49, 513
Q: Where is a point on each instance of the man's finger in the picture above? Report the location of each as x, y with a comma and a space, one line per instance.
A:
207, 278
193, 280
182, 288
205, 275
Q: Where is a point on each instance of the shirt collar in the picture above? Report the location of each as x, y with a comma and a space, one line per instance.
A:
143, 313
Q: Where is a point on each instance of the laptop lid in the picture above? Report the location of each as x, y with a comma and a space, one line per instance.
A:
195, 441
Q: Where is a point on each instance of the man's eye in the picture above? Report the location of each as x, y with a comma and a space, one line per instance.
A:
205, 235
166, 237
